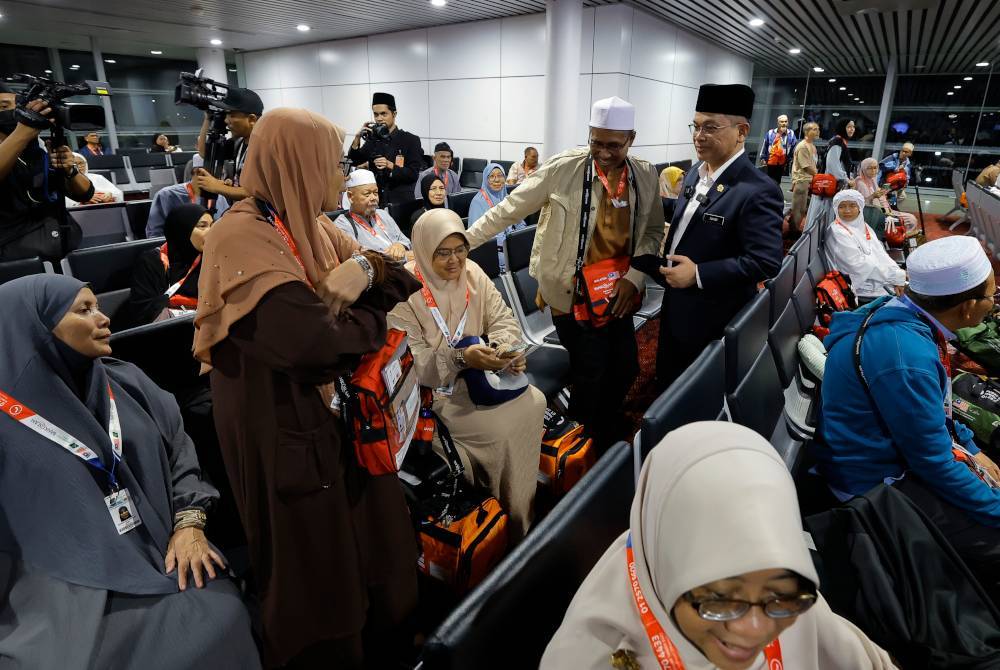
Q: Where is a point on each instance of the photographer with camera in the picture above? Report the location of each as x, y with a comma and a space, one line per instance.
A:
394, 155
242, 108
33, 220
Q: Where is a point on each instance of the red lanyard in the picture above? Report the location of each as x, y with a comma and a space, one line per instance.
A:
486, 195
621, 182
868, 234
667, 656
438, 175
279, 226
178, 300
452, 340
371, 229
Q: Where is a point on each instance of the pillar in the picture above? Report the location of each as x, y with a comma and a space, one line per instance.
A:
212, 61
888, 93
563, 29
109, 118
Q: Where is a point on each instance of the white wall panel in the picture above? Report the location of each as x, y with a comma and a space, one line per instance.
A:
262, 69
612, 36
607, 85
411, 104
654, 154
398, 56
583, 109
514, 151
348, 106
522, 105
299, 66
586, 40
464, 50
682, 104
465, 108
343, 61
718, 68
653, 44
271, 97
306, 97
473, 148
689, 61
522, 46
680, 152
652, 109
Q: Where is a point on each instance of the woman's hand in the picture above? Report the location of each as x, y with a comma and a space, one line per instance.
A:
481, 357
342, 286
519, 364
188, 549
396, 252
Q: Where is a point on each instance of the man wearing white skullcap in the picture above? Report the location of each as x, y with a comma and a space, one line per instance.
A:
894, 423
853, 248
373, 228
589, 279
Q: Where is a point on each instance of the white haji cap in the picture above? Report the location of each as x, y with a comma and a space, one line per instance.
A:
360, 178
948, 266
612, 114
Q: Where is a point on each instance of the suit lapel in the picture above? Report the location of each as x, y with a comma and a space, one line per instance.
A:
723, 185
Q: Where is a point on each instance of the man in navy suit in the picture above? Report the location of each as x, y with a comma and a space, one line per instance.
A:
725, 236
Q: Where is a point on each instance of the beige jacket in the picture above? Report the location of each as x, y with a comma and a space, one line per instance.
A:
555, 189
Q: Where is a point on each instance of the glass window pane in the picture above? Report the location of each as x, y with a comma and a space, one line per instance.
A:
153, 112
77, 65
24, 60
143, 73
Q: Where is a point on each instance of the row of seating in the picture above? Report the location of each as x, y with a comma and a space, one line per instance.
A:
744, 377
984, 215
132, 172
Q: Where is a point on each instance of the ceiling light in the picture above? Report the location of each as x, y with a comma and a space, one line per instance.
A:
818, 69
756, 23
843, 88
951, 92
232, 69
871, 69
953, 116
216, 42
795, 51
957, 86
832, 80
153, 99
302, 28
74, 67
110, 61
937, 153
155, 52
983, 64
927, 179
836, 113
439, 3
861, 102
48, 72
966, 78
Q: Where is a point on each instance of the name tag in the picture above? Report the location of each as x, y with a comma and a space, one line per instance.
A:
123, 512
714, 218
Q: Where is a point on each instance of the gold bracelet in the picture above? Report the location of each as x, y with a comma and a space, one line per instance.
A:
190, 518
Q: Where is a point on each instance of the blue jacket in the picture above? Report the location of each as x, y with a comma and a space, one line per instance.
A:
789, 143
908, 383
889, 164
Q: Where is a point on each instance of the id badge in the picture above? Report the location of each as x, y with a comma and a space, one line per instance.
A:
618, 204
123, 512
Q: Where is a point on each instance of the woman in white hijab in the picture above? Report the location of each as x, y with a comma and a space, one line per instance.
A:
716, 560
853, 248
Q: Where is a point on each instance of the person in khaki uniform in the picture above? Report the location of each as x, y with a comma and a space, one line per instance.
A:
624, 218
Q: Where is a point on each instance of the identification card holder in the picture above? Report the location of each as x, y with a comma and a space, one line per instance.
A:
714, 219
123, 511
618, 204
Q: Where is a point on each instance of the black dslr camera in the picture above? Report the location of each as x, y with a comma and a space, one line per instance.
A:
375, 131
200, 92
65, 115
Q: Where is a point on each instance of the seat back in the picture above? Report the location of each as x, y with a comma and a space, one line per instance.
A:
800, 251
507, 621
504, 164
697, 395
102, 224
137, 212
162, 350
23, 267
141, 164
107, 268
783, 338
745, 335
804, 299
456, 164
472, 172
485, 256
684, 164
181, 157
958, 186
132, 151
160, 178
535, 323
781, 287
459, 202
759, 399
402, 212
116, 164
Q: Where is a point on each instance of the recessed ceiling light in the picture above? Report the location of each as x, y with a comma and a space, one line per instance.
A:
110, 61
966, 78
756, 23
232, 69
795, 51
48, 72
153, 99
832, 80
439, 3
983, 64
818, 69
953, 116
957, 86
843, 88
215, 42
937, 153
871, 69
303, 28
927, 179
836, 113
951, 92
74, 67
155, 52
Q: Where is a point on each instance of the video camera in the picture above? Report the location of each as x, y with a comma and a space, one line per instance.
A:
201, 92
65, 115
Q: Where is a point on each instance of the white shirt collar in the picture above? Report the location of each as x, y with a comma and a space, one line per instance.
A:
711, 177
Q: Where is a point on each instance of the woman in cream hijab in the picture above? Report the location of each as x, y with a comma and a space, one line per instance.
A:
499, 444
715, 525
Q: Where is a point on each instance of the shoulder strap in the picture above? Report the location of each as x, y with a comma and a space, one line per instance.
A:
858, 340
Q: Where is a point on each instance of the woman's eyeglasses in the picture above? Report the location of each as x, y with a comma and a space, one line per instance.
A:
460, 252
730, 609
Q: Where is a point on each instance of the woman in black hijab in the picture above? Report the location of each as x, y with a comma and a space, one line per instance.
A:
102, 505
167, 277
434, 193
838, 156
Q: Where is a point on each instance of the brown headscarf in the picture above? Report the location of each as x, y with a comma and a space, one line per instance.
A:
290, 164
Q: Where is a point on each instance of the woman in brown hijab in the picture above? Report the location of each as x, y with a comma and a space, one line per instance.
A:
280, 315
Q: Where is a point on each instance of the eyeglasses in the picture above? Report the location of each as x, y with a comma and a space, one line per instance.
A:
460, 252
612, 147
730, 609
706, 130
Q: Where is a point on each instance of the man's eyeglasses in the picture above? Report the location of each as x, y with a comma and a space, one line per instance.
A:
460, 252
612, 147
730, 609
707, 130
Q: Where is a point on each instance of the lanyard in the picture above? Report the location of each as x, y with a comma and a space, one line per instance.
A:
438, 175
588, 176
486, 195
868, 237
939, 339
620, 190
26, 417
165, 259
452, 340
667, 656
272, 218
371, 229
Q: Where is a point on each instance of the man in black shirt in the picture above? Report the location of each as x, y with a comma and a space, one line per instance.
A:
244, 109
396, 161
33, 220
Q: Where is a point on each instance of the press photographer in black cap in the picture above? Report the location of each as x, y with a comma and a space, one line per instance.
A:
244, 109
394, 155
725, 236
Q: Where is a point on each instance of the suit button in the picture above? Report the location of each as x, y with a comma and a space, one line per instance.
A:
593, 209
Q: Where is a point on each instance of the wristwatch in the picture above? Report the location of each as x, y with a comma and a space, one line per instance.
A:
460, 359
74, 171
